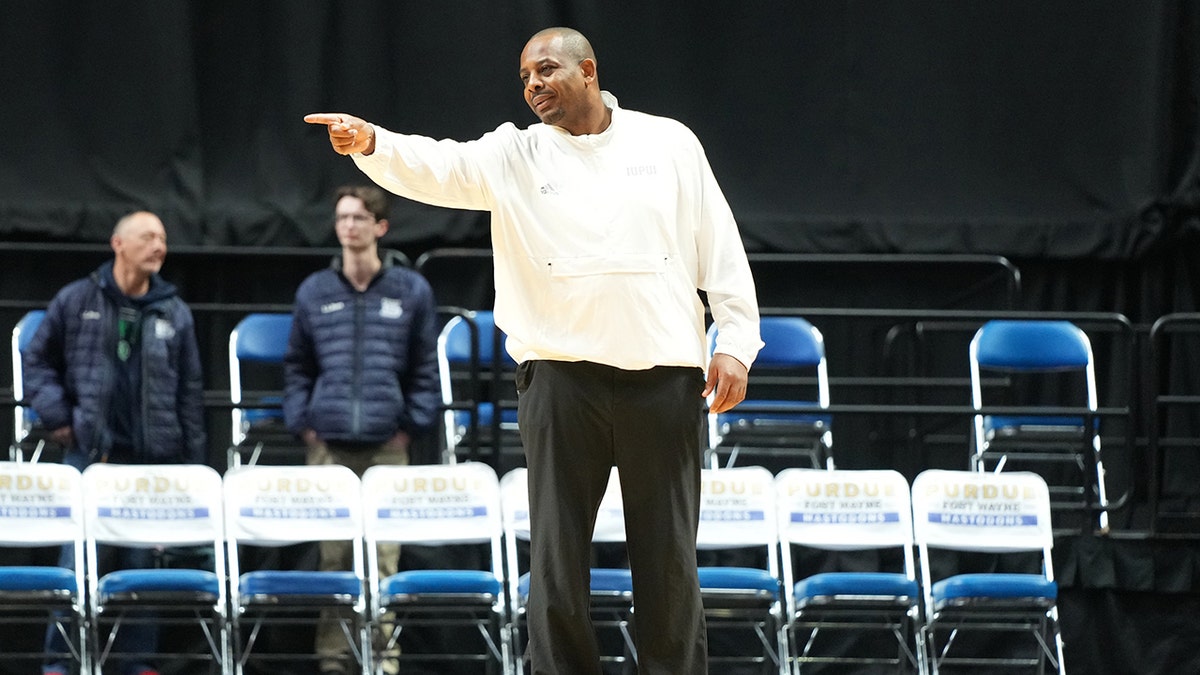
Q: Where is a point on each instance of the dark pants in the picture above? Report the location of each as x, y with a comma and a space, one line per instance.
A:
577, 420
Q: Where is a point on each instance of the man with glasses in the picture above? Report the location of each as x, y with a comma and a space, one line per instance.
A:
360, 372
114, 373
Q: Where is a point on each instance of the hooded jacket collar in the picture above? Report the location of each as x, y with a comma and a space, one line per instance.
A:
160, 289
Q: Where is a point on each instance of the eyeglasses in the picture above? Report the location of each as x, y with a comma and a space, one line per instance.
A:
354, 217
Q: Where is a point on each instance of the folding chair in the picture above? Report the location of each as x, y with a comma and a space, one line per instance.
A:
41, 505
442, 506
781, 416
1006, 515
147, 507
282, 505
24, 418
611, 588
856, 602
258, 343
1047, 356
477, 388
741, 603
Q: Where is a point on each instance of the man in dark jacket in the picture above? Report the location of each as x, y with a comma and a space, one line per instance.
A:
114, 374
360, 373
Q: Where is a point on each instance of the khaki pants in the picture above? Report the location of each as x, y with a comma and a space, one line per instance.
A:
331, 646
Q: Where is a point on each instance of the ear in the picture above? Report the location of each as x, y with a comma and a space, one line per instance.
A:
381, 228
588, 66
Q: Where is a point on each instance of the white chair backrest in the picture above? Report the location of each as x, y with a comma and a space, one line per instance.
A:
432, 504
974, 511
40, 503
281, 505
610, 519
737, 508
153, 504
844, 509
514, 502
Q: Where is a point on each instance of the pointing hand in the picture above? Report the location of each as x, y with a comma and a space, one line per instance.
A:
348, 134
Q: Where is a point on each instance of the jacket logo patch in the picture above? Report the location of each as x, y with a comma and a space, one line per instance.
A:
548, 189
163, 330
90, 315
390, 308
332, 307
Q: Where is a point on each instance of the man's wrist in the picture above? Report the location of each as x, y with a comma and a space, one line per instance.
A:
371, 142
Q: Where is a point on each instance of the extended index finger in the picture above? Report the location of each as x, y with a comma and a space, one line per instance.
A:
324, 118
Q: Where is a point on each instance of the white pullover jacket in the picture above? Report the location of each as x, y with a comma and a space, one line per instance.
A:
600, 241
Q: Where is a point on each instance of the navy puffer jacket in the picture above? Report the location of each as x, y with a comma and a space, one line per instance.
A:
69, 373
361, 366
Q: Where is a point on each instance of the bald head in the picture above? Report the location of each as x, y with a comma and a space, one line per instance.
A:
135, 220
139, 241
559, 75
573, 44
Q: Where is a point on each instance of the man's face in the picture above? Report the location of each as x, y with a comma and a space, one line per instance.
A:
141, 244
356, 227
555, 85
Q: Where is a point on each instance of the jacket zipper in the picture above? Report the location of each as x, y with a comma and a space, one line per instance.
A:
356, 392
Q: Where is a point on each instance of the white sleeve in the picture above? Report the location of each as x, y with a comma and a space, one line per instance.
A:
444, 173
724, 271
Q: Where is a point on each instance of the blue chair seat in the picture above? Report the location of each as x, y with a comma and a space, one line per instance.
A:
299, 582
856, 584
486, 412
604, 580
608, 580
440, 581
738, 578
262, 415
991, 586
1000, 423
775, 414
159, 580
37, 579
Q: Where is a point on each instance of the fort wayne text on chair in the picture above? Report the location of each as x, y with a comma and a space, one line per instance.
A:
41, 505
611, 587
281, 505
741, 596
443, 506
848, 568
998, 610
148, 507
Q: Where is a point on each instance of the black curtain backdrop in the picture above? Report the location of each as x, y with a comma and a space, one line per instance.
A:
1063, 135
1032, 129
